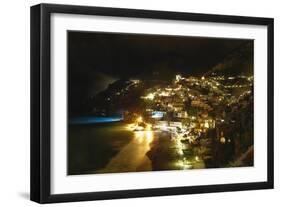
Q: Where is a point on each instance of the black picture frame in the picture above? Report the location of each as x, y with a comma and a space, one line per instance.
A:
41, 96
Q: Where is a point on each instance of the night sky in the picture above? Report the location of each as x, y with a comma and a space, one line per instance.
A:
96, 59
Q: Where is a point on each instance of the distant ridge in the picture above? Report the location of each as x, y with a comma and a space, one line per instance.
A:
239, 61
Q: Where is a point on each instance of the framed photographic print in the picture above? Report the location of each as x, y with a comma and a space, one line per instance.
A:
132, 103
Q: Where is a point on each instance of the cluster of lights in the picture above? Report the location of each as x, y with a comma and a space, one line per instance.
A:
180, 88
136, 126
149, 96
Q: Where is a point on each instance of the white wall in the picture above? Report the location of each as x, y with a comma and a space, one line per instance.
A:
14, 100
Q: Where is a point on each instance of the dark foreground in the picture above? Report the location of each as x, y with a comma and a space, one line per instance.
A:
113, 148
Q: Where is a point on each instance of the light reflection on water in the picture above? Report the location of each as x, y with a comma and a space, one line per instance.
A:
144, 136
120, 149
133, 156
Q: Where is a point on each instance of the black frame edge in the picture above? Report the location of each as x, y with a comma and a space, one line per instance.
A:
35, 25
76, 197
270, 103
155, 14
40, 103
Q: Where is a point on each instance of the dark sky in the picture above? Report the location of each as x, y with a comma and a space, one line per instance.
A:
96, 59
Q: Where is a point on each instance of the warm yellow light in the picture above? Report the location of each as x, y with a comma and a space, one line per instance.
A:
131, 126
149, 136
203, 78
148, 127
184, 164
206, 125
222, 140
178, 78
180, 152
150, 96
139, 119
163, 93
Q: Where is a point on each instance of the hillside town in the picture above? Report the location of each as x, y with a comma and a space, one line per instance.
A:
211, 115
